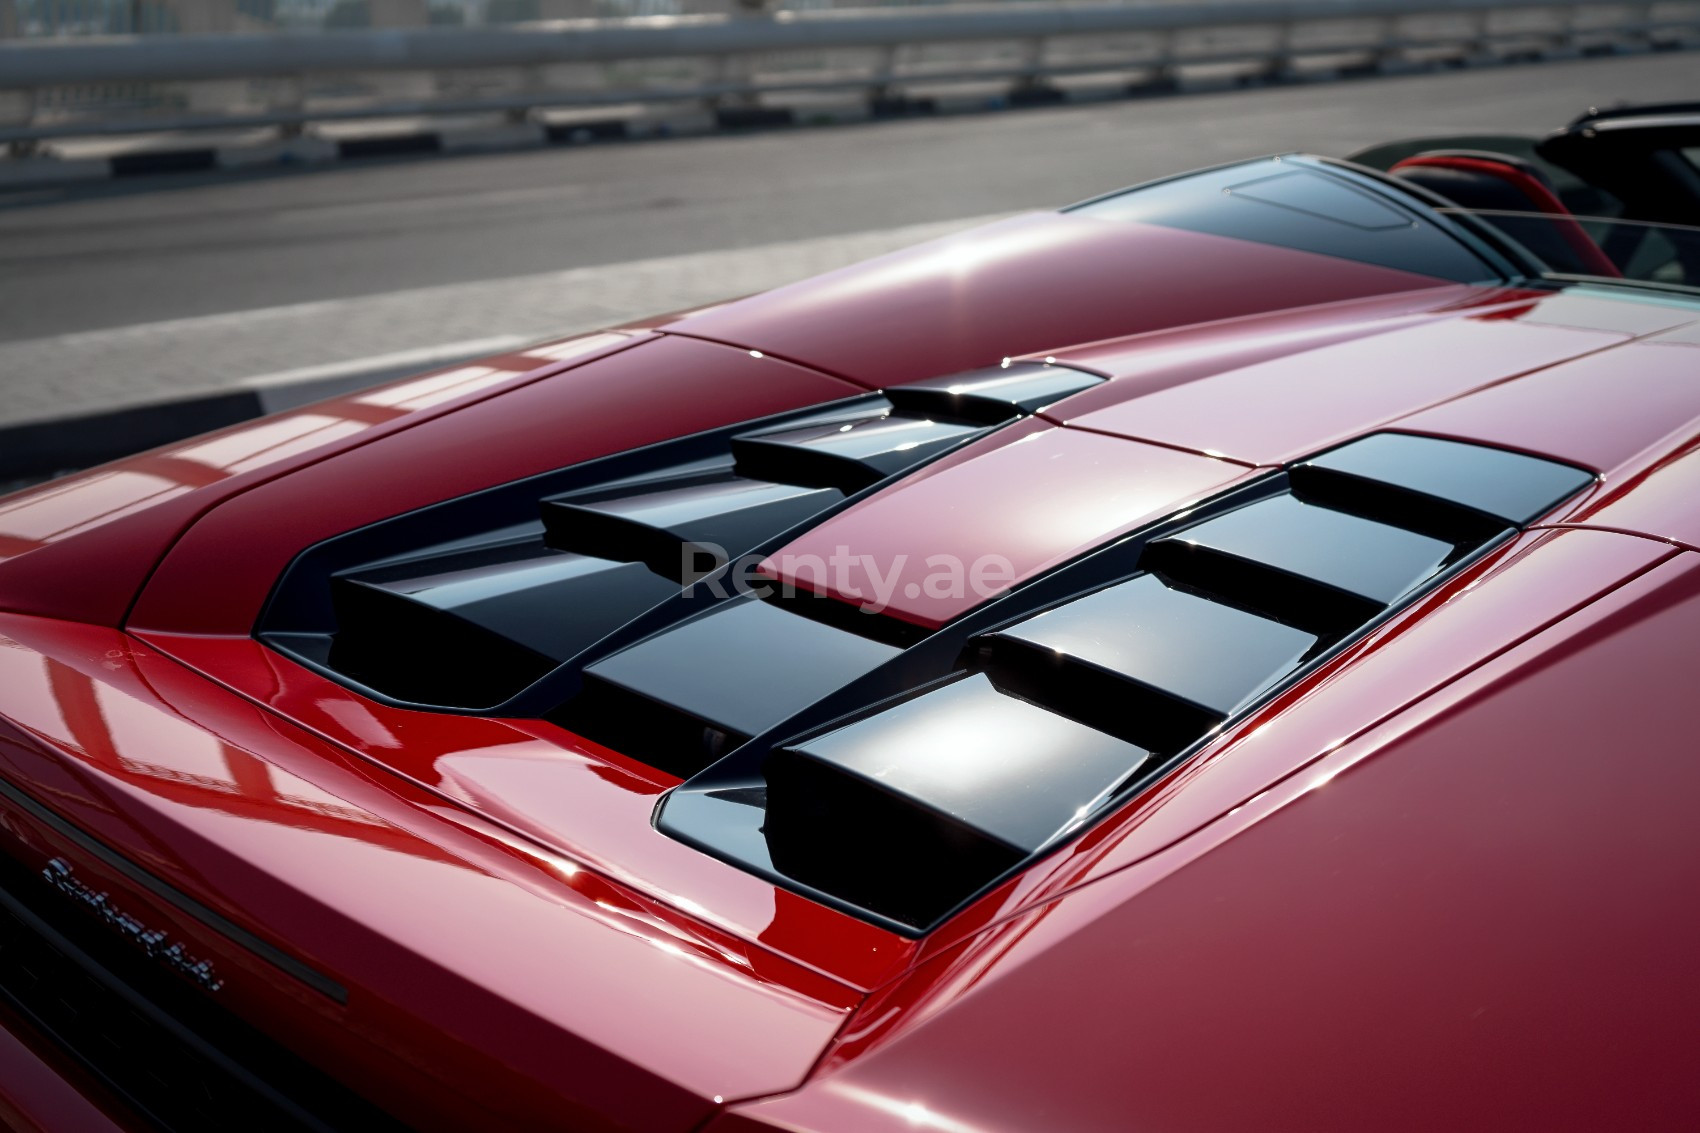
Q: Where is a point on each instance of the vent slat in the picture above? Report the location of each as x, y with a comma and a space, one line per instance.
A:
682, 533
1373, 561
911, 808
640, 728
472, 629
1203, 654
1258, 588
962, 778
741, 669
1321, 570
1113, 703
849, 456
995, 394
552, 602
411, 651
1505, 486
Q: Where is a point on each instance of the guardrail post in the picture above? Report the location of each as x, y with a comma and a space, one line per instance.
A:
209, 17
1386, 44
203, 17
731, 77
735, 70
291, 99
1645, 28
1478, 42
530, 82
401, 14
17, 107
1278, 67
884, 100
1164, 71
885, 73
1031, 88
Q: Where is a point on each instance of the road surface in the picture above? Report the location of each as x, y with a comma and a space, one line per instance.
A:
124, 292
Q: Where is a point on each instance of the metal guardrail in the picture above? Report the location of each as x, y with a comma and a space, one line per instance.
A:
732, 44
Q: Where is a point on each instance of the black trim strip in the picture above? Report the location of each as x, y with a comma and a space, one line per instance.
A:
174, 1057
184, 903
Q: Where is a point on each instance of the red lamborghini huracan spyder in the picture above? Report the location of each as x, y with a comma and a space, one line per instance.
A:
1209, 658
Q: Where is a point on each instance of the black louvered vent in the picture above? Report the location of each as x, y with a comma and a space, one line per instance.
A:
472, 622
471, 628
1060, 697
736, 671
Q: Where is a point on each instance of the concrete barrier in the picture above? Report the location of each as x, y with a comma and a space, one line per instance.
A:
264, 76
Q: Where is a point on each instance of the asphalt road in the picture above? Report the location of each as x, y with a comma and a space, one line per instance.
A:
159, 256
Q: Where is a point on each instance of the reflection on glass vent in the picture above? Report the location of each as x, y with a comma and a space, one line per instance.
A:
734, 672
470, 611
681, 532
996, 737
910, 809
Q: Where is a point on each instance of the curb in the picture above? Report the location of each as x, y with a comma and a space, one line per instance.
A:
31, 451
311, 149
39, 450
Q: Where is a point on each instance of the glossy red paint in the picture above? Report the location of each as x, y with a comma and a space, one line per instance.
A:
1656, 500
1510, 596
1005, 508
583, 801
1607, 413
491, 982
1148, 363
1237, 948
1461, 918
677, 386
1679, 336
1027, 284
1635, 313
81, 548
1276, 410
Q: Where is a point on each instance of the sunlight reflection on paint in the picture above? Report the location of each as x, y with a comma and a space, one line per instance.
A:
916, 1113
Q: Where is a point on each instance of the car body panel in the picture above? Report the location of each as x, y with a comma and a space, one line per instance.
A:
1514, 594
522, 946
583, 800
81, 547
1009, 506
489, 980
520, 433
1274, 411
1607, 412
1157, 360
1027, 284
1272, 980
1656, 499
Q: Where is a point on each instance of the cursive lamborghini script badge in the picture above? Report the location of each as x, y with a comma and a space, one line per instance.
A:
158, 945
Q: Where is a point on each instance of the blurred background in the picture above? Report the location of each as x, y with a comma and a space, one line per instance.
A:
211, 209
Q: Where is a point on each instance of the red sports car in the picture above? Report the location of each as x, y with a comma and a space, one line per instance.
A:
1213, 657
